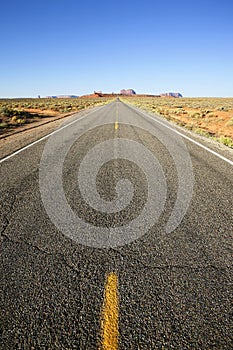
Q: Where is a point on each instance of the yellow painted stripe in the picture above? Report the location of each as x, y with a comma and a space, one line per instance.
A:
116, 122
109, 322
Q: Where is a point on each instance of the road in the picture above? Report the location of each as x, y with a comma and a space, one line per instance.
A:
88, 274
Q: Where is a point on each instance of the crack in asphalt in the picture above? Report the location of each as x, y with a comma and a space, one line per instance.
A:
130, 261
170, 267
43, 251
21, 187
6, 221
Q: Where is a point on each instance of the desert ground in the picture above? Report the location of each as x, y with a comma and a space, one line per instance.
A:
210, 117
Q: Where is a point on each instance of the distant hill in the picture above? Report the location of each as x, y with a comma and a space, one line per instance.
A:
128, 92
63, 96
171, 94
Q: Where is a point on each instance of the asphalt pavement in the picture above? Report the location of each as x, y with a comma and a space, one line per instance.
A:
116, 233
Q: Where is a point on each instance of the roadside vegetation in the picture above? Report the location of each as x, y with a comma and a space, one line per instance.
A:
210, 117
18, 112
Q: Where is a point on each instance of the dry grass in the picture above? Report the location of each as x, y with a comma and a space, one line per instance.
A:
17, 112
211, 117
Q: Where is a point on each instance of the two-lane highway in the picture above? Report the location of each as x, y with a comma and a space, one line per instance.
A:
116, 233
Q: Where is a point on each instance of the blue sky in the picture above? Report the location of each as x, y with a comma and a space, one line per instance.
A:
53, 47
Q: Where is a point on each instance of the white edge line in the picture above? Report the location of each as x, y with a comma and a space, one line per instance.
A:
184, 136
45, 137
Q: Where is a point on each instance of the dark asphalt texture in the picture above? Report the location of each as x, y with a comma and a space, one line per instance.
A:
175, 290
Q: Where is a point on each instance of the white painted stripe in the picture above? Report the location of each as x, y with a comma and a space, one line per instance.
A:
45, 137
184, 136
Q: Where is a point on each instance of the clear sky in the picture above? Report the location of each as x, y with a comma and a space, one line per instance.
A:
50, 47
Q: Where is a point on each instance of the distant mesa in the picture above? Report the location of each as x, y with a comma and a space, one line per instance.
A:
128, 92
63, 96
98, 93
171, 94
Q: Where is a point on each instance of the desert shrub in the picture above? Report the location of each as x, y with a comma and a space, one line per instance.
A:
3, 125
227, 141
14, 119
6, 112
21, 121
212, 115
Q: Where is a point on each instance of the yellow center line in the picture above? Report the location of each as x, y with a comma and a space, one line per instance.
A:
109, 322
116, 122
116, 125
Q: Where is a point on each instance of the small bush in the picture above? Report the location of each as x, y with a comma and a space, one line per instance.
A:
3, 125
14, 119
227, 141
6, 112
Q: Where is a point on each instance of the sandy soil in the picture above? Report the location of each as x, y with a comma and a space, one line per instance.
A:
206, 116
14, 139
41, 117
217, 123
